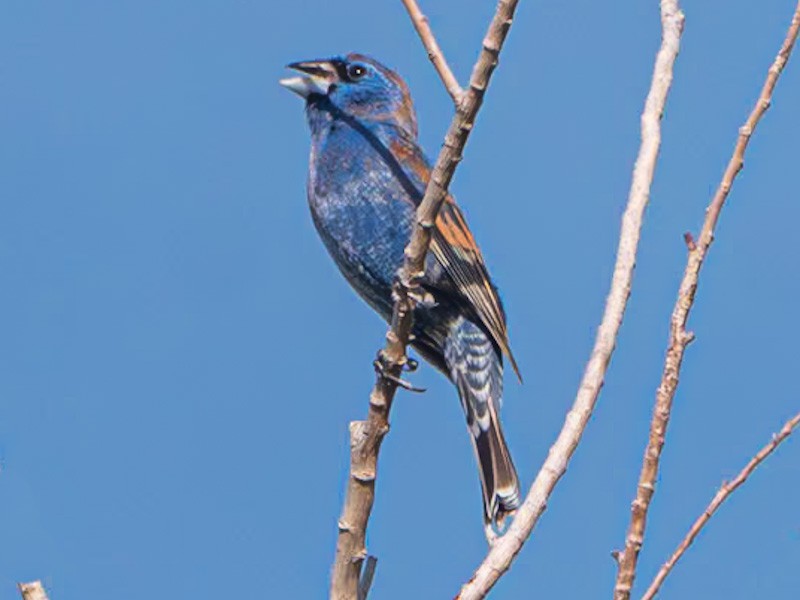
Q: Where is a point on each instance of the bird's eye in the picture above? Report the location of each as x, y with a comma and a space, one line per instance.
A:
356, 71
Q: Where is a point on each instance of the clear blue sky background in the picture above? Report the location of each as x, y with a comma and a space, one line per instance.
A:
180, 358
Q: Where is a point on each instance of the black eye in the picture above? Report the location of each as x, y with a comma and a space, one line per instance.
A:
356, 71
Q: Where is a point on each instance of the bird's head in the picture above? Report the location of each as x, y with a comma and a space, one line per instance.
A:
358, 86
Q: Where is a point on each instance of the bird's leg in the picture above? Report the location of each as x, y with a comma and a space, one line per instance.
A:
383, 373
414, 290
422, 297
408, 286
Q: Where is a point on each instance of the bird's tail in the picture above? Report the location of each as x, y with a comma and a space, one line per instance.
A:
476, 368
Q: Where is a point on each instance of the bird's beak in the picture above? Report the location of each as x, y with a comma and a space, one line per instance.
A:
319, 76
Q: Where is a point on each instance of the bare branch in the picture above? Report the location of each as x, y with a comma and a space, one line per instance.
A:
435, 54
366, 436
726, 490
32, 591
499, 558
679, 338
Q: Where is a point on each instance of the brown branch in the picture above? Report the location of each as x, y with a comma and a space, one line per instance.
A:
726, 490
366, 436
679, 337
435, 54
501, 555
32, 591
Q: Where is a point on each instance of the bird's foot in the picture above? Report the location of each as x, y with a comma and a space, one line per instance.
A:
409, 365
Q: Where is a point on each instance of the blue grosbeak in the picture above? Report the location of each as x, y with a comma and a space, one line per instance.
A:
367, 175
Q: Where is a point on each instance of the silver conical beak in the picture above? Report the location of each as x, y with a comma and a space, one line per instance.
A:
317, 78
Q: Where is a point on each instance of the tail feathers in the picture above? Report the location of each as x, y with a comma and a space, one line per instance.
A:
499, 481
476, 369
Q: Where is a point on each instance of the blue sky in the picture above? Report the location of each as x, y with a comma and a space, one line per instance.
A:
180, 358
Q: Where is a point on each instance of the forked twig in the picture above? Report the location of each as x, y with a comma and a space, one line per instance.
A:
679, 337
501, 555
722, 494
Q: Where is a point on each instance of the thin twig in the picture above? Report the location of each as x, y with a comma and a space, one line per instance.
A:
501, 555
32, 591
679, 337
366, 436
367, 575
726, 490
435, 54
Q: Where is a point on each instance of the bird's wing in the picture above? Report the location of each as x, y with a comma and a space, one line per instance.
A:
455, 249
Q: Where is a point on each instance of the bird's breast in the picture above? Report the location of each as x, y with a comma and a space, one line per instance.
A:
361, 211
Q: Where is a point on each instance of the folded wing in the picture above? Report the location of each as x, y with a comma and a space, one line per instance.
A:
456, 251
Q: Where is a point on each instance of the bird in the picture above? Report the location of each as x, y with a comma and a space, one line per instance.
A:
366, 177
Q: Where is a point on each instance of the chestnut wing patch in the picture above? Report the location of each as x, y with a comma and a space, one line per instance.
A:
455, 249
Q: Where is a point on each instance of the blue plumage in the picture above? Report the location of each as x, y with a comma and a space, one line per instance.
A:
367, 175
